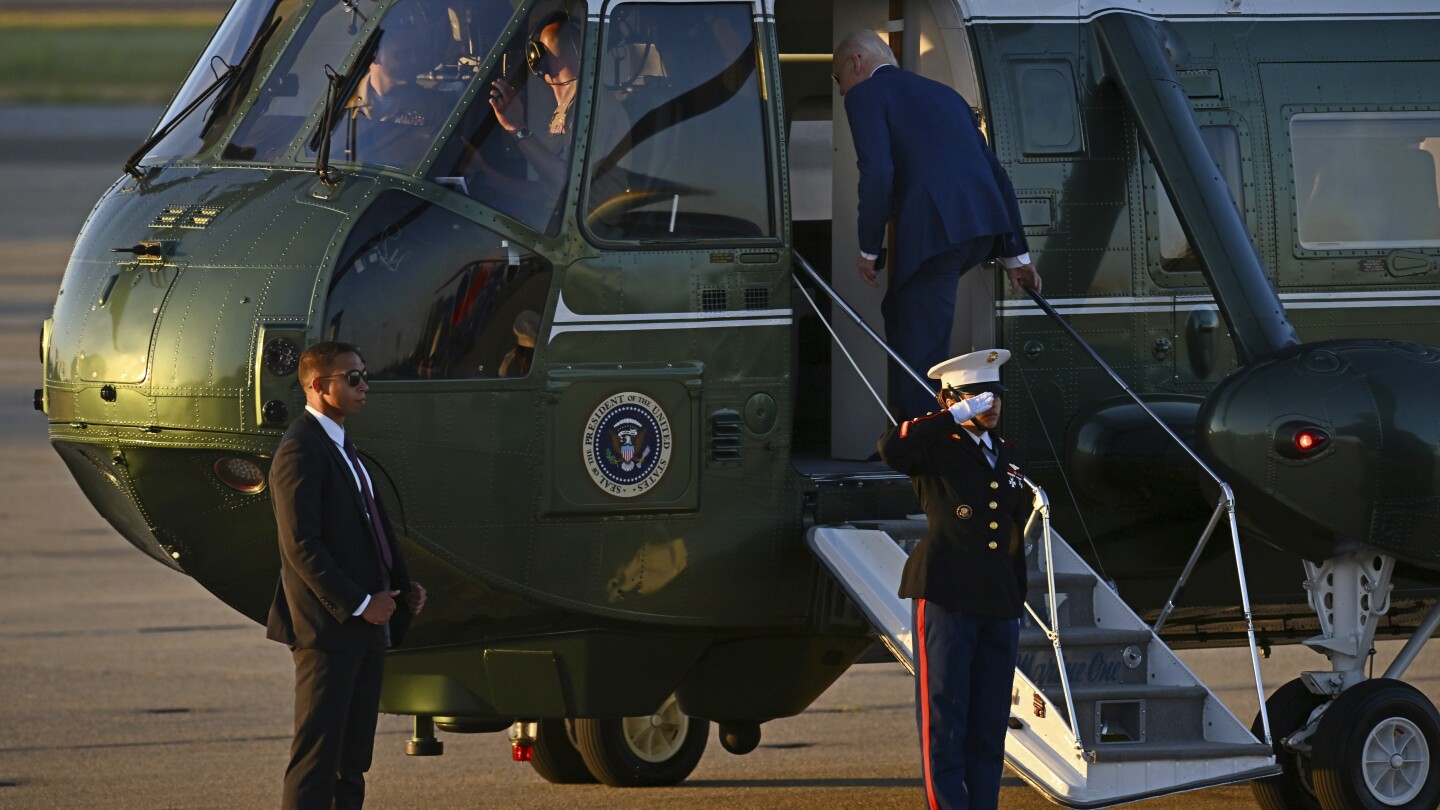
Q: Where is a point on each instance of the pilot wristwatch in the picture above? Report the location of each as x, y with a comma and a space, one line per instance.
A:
523, 133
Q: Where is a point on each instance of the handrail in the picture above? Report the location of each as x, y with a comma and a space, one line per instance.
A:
859, 321
1042, 508
1226, 503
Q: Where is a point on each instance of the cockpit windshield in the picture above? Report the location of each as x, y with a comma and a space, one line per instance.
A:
385, 75
240, 43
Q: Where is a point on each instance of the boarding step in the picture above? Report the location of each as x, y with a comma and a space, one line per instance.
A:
1146, 726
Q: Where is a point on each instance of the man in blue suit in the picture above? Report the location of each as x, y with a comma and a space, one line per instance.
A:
925, 167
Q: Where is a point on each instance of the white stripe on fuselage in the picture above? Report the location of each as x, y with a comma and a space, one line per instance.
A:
567, 320
1118, 305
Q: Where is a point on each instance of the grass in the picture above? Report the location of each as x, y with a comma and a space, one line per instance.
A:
121, 57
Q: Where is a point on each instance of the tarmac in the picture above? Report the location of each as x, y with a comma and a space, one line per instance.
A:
126, 685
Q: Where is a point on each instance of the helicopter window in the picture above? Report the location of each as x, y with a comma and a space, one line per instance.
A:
536, 81
298, 82
1367, 180
691, 161
1176, 255
431, 295
426, 53
245, 29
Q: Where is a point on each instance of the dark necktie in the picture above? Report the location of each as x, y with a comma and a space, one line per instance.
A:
990, 454
370, 506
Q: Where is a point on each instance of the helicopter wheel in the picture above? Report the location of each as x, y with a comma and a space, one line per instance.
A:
555, 757
647, 751
1375, 749
1289, 708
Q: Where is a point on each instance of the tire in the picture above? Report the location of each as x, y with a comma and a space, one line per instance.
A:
555, 757
1289, 708
1365, 724
648, 751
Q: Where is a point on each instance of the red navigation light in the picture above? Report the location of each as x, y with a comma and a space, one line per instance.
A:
1301, 441
522, 752
1310, 440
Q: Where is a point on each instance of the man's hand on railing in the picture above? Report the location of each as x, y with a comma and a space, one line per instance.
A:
1023, 276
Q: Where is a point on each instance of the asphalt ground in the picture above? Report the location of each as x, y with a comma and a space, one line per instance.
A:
125, 685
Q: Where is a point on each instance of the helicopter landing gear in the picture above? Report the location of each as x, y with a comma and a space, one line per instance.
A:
1372, 745
647, 751
1290, 708
1374, 749
555, 756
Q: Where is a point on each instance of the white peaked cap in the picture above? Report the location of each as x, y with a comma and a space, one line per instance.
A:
971, 369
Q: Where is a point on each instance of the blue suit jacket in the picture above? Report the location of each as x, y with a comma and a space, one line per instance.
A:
925, 166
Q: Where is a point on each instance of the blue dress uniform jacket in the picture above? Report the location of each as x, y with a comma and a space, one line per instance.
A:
972, 560
925, 167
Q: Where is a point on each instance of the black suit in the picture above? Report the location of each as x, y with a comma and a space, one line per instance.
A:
329, 563
967, 578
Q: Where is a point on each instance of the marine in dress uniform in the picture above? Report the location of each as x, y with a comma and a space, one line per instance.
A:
967, 579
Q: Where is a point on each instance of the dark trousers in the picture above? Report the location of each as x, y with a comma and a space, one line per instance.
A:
965, 668
337, 699
918, 315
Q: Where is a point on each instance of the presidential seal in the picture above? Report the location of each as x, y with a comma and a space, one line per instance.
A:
627, 444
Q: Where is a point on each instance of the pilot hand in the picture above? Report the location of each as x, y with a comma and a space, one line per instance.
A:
381, 606
415, 600
509, 110
967, 409
1023, 276
868, 271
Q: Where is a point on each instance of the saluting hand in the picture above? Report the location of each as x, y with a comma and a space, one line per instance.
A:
381, 607
967, 409
415, 600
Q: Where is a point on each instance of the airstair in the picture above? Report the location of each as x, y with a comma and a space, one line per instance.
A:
1147, 726
1102, 711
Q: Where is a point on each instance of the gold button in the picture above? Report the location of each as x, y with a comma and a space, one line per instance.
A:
994, 525
994, 545
994, 484
994, 505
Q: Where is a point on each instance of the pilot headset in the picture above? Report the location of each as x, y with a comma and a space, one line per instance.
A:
535, 51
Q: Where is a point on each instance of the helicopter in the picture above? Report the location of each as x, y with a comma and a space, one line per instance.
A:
606, 421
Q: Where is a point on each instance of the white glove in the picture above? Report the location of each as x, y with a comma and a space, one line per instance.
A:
967, 409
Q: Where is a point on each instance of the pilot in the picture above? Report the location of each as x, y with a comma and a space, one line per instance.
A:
967, 579
553, 54
516, 362
389, 93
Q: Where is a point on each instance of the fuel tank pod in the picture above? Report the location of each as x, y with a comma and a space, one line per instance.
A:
1332, 446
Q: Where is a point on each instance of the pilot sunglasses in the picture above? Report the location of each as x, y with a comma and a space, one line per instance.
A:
353, 376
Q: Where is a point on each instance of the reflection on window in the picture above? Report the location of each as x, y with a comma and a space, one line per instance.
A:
1223, 143
249, 30
485, 160
1367, 180
427, 294
688, 161
424, 55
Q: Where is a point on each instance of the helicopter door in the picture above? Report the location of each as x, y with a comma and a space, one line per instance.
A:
932, 41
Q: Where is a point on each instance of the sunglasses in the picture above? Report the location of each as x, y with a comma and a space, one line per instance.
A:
353, 376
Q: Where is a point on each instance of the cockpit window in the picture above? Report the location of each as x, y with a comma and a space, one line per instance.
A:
687, 158
291, 92
512, 149
250, 32
1367, 180
406, 83
430, 295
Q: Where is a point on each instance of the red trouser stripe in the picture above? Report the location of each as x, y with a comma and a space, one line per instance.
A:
924, 705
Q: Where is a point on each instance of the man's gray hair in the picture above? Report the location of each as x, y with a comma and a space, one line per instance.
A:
872, 49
